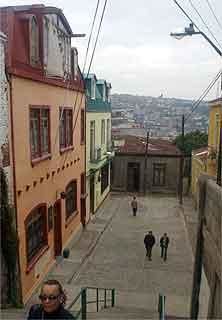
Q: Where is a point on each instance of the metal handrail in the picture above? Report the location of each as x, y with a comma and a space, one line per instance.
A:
161, 307
84, 301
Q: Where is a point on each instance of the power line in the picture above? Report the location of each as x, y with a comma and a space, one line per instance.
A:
212, 10
203, 95
93, 53
186, 14
191, 3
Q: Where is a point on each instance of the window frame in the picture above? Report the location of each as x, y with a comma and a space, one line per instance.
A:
162, 168
42, 245
71, 214
67, 146
104, 177
40, 155
82, 124
92, 141
103, 132
34, 39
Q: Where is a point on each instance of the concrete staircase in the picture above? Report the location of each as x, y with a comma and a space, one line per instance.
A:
13, 314
119, 313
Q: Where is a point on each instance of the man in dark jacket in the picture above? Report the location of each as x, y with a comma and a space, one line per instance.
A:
149, 242
52, 304
164, 242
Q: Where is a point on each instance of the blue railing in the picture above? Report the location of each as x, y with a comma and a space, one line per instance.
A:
161, 307
78, 307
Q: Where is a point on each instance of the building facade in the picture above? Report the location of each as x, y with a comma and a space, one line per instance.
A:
98, 141
205, 160
47, 136
141, 168
215, 124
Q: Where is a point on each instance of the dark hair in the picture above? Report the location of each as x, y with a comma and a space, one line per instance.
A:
53, 282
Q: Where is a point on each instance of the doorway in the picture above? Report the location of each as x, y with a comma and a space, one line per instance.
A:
133, 177
92, 191
57, 229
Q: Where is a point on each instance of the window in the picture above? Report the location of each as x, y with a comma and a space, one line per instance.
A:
34, 41
36, 232
92, 140
46, 40
103, 131
82, 126
71, 199
83, 182
50, 218
108, 135
93, 89
74, 62
39, 132
159, 171
217, 130
104, 177
66, 134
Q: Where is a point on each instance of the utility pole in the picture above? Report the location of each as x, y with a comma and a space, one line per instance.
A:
145, 163
219, 159
181, 164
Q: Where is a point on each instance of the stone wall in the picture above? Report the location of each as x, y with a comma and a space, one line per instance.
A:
208, 248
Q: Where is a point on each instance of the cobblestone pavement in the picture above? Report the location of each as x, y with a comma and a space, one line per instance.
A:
110, 253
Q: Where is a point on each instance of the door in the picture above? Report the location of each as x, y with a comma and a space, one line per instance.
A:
83, 200
83, 212
57, 229
133, 177
92, 194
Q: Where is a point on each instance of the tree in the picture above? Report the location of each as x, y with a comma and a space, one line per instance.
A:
192, 140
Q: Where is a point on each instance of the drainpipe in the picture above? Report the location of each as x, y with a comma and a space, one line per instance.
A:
14, 186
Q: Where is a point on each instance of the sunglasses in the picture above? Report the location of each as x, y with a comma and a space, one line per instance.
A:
50, 298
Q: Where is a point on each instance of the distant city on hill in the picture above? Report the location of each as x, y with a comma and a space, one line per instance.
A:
132, 114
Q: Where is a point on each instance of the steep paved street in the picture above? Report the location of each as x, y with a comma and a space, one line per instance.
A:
110, 253
118, 260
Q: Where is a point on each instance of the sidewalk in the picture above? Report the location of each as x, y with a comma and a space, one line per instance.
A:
110, 253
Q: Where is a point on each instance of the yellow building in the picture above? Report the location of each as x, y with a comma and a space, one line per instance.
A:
205, 160
98, 142
215, 123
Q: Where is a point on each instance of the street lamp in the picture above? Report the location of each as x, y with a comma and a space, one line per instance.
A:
190, 31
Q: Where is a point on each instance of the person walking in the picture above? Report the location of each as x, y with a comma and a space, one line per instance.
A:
53, 299
134, 206
164, 242
149, 242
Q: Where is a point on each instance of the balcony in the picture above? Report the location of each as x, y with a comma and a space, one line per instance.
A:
98, 105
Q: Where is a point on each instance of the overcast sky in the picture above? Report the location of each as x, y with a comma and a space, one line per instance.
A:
135, 51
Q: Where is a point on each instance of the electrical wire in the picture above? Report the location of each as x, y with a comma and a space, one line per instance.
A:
203, 95
90, 64
186, 14
212, 10
193, 6
85, 60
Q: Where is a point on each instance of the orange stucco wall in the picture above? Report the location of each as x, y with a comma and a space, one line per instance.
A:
48, 191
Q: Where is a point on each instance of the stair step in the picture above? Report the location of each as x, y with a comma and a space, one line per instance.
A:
13, 314
123, 313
